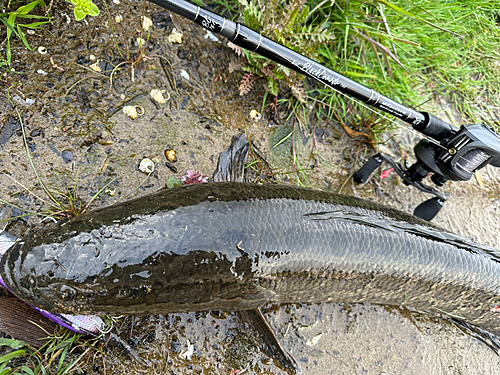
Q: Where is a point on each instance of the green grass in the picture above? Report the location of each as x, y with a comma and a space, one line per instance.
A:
63, 353
17, 13
421, 52
11, 19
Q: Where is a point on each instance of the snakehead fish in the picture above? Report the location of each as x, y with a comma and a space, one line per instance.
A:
238, 246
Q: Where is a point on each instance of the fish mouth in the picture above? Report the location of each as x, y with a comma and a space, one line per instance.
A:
26, 295
27, 287
8, 271
61, 297
58, 297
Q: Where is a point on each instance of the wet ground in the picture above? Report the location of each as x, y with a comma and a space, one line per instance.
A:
81, 142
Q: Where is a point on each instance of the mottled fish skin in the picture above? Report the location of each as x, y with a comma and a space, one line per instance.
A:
86, 325
237, 246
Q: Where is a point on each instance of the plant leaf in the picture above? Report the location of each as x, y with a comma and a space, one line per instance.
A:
383, 49
172, 181
33, 25
27, 370
27, 8
15, 354
79, 14
94, 11
11, 25
14, 344
30, 16
9, 52
23, 38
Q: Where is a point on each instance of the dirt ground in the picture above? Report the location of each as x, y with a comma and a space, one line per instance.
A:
81, 141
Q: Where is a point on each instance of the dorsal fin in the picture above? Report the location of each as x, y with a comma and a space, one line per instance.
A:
231, 168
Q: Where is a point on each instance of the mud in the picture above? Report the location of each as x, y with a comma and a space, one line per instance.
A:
80, 111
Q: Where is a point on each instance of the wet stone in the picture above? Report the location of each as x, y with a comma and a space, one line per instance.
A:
67, 156
150, 337
170, 166
175, 345
82, 60
31, 145
133, 342
10, 127
84, 100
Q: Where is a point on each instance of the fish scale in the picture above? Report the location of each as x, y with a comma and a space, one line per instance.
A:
237, 246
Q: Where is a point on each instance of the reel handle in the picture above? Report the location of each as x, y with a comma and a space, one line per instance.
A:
495, 161
362, 174
428, 209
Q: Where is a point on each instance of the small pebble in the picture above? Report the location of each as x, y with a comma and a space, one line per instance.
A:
175, 345
25, 102
255, 115
96, 66
188, 353
146, 23
170, 166
67, 156
313, 341
211, 36
184, 74
175, 37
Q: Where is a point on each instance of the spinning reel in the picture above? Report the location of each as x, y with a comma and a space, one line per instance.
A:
457, 156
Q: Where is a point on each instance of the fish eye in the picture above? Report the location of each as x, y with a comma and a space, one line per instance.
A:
67, 293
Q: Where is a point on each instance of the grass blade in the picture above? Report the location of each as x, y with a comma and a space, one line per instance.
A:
32, 165
406, 13
27, 8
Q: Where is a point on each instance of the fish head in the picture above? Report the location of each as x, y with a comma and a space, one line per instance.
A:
43, 282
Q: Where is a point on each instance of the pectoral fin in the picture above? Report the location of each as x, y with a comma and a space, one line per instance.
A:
267, 340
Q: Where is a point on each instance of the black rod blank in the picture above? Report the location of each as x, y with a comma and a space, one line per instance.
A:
251, 40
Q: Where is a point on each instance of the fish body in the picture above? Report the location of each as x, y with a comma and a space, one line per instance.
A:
238, 246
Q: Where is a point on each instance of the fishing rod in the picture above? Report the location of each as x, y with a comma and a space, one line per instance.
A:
455, 154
